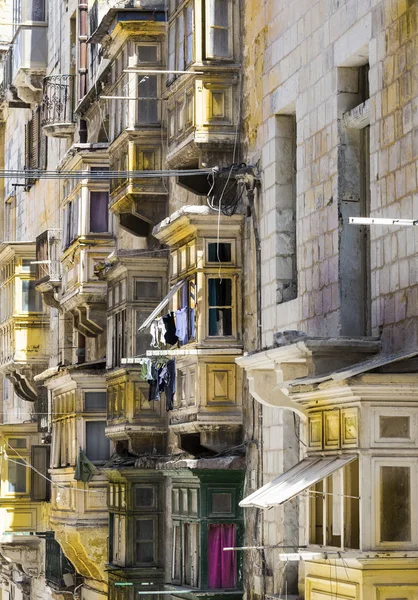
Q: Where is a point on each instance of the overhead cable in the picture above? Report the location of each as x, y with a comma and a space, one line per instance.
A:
99, 175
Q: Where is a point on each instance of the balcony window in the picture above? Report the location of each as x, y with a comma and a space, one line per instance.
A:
29, 10
197, 544
97, 444
95, 401
395, 504
116, 338
180, 41
148, 100
148, 53
16, 476
142, 338
220, 307
145, 540
222, 566
99, 212
118, 539
218, 29
40, 486
334, 509
186, 313
31, 299
219, 252
71, 222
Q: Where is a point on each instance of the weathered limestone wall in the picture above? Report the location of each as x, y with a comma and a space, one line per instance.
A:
301, 61
293, 53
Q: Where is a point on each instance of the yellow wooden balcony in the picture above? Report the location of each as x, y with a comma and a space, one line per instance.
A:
23, 323
87, 239
79, 515
202, 113
24, 495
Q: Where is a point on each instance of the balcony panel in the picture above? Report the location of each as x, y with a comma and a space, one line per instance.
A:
58, 119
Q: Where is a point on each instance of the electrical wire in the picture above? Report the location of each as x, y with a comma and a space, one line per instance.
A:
99, 175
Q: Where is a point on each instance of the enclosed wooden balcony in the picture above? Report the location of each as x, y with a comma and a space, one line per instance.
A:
28, 58
23, 322
202, 114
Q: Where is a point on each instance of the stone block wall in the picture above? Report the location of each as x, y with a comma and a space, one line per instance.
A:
295, 55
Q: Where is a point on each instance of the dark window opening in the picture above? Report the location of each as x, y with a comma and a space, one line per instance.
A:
95, 401
147, 54
219, 252
145, 290
97, 444
145, 544
144, 497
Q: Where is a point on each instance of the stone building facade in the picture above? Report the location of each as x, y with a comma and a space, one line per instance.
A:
328, 118
202, 158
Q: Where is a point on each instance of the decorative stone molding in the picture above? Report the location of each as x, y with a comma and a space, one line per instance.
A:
25, 555
299, 356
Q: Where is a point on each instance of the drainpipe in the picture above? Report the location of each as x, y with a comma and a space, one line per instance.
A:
82, 61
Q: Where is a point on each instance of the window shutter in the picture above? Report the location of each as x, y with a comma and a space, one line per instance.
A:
40, 488
34, 159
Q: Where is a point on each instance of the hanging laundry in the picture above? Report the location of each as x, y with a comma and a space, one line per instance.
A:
154, 389
146, 373
181, 325
84, 469
170, 329
192, 317
170, 389
158, 331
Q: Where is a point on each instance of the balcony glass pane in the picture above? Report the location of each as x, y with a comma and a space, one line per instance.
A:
16, 477
95, 401
148, 108
34, 10
147, 54
31, 299
395, 504
219, 252
145, 550
99, 212
97, 444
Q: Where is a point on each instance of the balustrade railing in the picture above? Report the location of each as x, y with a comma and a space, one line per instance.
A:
58, 100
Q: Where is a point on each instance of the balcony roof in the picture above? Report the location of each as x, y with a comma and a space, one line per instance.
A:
20, 248
191, 219
154, 12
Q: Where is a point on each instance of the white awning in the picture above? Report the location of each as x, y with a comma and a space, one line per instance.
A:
162, 304
299, 478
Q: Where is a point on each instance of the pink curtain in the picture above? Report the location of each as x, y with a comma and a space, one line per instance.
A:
222, 566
